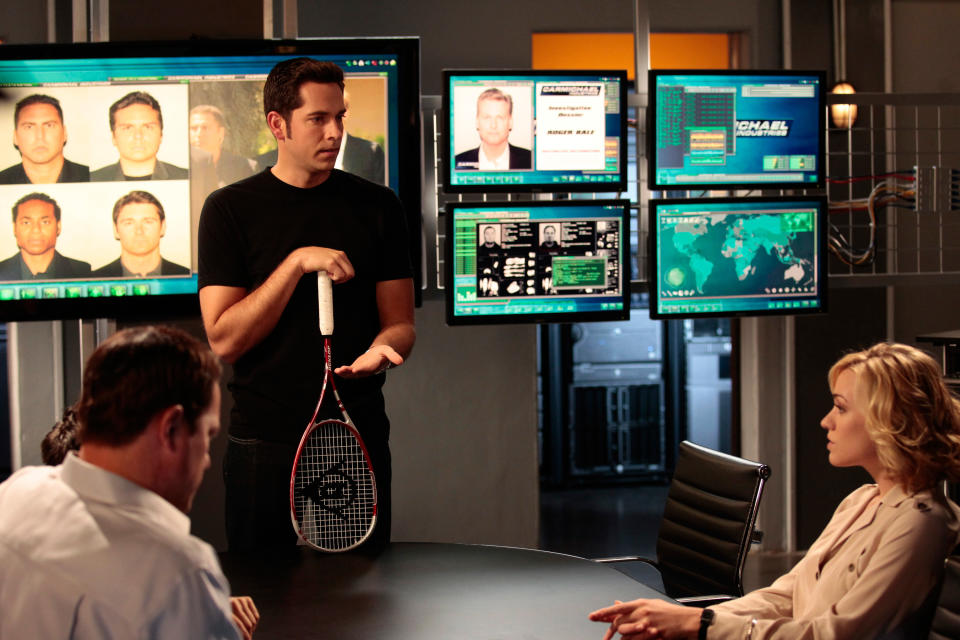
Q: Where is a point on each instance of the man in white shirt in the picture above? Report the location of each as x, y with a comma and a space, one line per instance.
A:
494, 124
100, 547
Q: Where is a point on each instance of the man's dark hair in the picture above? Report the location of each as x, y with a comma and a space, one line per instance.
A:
132, 98
137, 373
42, 197
61, 439
137, 197
36, 98
281, 92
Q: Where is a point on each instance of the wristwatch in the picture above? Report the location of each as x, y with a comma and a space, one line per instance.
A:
706, 617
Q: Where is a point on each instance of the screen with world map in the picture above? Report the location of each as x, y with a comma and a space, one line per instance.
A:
735, 256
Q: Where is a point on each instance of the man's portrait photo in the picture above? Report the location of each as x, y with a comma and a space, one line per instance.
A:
39, 135
489, 240
208, 131
136, 129
139, 223
36, 226
548, 238
497, 112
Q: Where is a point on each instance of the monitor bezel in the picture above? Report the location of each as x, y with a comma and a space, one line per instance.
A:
540, 318
822, 263
405, 48
653, 74
509, 74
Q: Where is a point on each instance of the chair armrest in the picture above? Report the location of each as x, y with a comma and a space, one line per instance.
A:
703, 601
652, 563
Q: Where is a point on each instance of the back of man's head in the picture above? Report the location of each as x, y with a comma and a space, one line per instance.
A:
138, 372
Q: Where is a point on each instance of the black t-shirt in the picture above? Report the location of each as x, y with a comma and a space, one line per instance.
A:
246, 230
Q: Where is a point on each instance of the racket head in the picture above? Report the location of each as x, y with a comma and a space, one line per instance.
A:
333, 491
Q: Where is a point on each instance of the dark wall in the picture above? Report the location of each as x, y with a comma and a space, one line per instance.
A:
857, 319
497, 33
23, 22
179, 19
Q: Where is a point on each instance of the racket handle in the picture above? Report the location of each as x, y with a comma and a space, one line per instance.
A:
325, 302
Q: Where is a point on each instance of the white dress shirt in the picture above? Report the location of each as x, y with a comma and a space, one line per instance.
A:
85, 553
500, 163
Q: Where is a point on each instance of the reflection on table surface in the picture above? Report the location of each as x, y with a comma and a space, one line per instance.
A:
427, 590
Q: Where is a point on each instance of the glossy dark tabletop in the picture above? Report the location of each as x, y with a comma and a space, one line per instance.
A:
421, 591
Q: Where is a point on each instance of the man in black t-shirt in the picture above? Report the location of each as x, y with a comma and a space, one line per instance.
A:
261, 241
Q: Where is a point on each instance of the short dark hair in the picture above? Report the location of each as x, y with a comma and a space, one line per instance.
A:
61, 439
42, 197
36, 98
132, 98
137, 373
281, 91
137, 197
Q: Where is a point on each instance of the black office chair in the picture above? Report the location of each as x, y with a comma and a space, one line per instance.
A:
946, 619
708, 525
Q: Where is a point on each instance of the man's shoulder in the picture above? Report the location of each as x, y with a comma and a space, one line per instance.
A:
69, 267
363, 189
74, 172
166, 171
470, 155
168, 268
14, 175
110, 270
520, 154
107, 174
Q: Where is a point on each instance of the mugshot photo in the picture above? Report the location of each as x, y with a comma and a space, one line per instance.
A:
69, 231
49, 139
493, 127
138, 131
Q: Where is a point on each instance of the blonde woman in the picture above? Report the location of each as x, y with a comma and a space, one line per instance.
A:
874, 567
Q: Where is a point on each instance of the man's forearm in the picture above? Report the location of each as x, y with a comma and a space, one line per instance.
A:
400, 336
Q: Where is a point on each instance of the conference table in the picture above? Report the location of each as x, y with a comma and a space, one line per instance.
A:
422, 591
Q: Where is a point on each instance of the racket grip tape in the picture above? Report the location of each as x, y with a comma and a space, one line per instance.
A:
325, 302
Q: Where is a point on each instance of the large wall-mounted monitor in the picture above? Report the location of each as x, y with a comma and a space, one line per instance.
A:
524, 131
736, 129
539, 261
738, 257
187, 119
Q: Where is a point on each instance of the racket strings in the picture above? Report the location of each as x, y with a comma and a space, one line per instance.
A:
334, 491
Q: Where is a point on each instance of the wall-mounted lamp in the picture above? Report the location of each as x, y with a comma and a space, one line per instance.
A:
843, 115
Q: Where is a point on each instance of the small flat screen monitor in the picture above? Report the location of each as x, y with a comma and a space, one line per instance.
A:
736, 129
524, 131
115, 146
539, 261
738, 257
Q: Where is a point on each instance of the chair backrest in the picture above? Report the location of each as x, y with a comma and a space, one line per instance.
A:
708, 522
946, 619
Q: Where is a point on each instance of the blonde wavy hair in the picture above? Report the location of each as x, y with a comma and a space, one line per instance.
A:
911, 415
